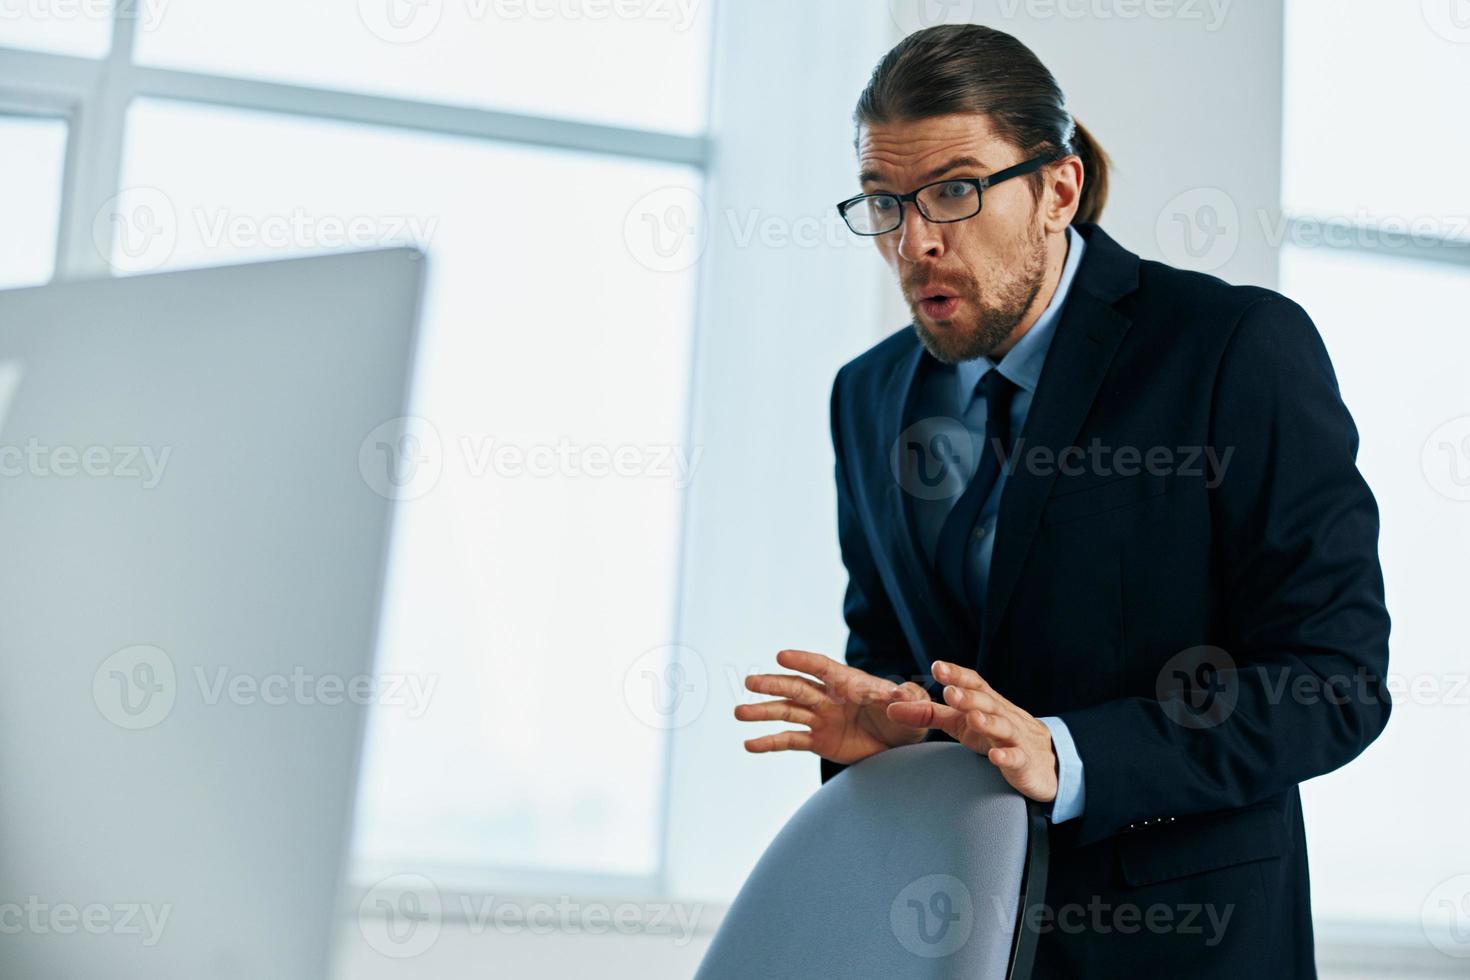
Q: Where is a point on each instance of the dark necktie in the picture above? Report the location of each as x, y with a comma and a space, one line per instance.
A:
954, 534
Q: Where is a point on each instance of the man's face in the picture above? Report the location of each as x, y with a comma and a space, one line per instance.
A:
968, 283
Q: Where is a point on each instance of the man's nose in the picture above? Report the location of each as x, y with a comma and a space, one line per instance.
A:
918, 238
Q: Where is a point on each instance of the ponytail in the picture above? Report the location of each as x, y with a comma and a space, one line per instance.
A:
1095, 164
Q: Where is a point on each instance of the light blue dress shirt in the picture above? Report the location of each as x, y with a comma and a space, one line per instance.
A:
948, 390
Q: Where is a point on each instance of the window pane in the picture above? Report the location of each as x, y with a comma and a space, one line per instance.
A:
1374, 110
79, 27
1396, 332
32, 161
524, 582
640, 63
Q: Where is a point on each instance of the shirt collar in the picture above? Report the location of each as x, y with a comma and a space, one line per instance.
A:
1021, 365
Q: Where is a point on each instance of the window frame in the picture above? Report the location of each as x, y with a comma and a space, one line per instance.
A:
93, 96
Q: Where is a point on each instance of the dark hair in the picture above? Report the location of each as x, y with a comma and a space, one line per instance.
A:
970, 68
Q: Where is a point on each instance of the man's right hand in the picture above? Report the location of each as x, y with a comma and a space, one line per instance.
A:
845, 709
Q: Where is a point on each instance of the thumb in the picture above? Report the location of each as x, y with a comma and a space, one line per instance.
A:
910, 691
901, 693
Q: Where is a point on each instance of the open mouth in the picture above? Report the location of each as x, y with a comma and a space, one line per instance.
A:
939, 305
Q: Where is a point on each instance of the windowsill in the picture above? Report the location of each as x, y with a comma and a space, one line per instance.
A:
1346, 947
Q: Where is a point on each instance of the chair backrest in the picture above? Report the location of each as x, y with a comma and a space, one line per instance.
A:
913, 864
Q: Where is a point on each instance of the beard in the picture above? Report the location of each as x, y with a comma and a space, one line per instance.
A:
996, 316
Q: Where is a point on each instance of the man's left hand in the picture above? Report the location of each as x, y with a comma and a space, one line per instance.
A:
975, 715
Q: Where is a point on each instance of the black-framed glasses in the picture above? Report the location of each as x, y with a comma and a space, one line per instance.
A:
943, 201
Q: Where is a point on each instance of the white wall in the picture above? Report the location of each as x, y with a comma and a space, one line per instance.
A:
1188, 105
787, 295
1190, 111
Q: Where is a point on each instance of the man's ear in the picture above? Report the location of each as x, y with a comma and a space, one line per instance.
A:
1062, 192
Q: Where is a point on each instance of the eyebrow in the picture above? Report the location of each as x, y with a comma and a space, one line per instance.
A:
871, 176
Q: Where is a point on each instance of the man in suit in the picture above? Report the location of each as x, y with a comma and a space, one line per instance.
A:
1102, 524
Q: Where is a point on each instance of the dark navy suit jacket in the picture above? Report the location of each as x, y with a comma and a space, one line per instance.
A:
1186, 572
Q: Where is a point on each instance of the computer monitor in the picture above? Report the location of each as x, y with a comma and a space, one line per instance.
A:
195, 509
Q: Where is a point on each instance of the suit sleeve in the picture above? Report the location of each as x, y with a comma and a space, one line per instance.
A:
875, 640
1295, 531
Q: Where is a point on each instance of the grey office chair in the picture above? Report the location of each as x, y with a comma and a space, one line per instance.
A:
917, 863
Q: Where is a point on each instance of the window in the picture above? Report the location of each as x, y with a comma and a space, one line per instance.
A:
600, 62
547, 346
82, 28
1402, 371
32, 150
1377, 254
1375, 99
537, 571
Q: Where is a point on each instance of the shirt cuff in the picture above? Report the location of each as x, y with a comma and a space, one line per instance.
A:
1071, 790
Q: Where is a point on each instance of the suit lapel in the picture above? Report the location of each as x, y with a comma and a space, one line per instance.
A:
1086, 338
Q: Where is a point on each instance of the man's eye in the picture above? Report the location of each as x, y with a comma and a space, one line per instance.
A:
882, 203
955, 189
